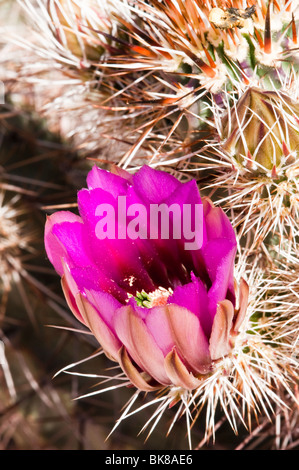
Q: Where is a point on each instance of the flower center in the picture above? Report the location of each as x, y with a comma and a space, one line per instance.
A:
153, 299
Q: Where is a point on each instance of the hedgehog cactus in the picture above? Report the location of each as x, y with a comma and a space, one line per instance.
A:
207, 91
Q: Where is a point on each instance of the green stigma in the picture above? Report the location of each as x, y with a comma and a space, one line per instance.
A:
153, 299
143, 299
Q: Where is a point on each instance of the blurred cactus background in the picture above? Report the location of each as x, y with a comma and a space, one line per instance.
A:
205, 90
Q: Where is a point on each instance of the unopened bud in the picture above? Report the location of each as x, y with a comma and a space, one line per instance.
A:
259, 129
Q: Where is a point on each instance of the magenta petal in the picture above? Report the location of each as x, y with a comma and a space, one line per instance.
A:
217, 223
88, 201
118, 258
219, 257
105, 304
92, 278
107, 181
154, 186
187, 196
166, 256
55, 249
194, 297
70, 235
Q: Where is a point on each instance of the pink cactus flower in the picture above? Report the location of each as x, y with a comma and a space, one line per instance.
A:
163, 312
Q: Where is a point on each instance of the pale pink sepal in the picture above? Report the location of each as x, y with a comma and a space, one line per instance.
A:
140, 344
221, 329
98, 327
178, 373
137, 378
70, 291
243, 304
70, 299
189, 338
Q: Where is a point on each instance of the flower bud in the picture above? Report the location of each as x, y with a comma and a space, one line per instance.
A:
261, 131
